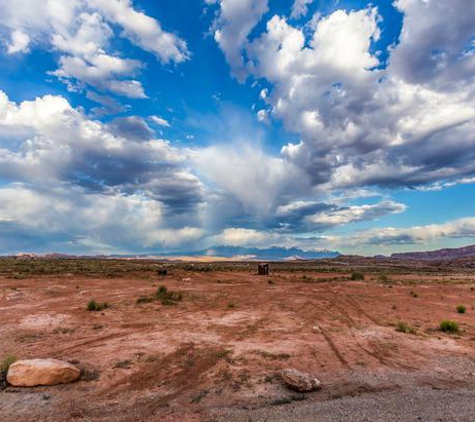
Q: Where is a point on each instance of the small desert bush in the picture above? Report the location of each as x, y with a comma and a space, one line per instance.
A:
357, 275
231, 305
461, 309
223, 354
271, 378
197, 398
89, 374
404, 327
448, 326
197, 268
413, 294
124, 364
92, 305
168, 297
5, 363
144, 299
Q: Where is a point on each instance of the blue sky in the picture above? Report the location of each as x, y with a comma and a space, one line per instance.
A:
173, 126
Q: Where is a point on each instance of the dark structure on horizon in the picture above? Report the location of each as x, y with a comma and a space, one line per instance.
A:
263, 269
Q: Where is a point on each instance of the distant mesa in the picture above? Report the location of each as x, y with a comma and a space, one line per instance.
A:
25, 255
440, 254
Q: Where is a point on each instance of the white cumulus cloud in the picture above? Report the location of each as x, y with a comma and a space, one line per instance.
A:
82, 32
19, 43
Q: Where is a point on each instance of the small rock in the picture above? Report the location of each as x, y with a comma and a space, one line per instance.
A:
300, 381
28, 373
317, 329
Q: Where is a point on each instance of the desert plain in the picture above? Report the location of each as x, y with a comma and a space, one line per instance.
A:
213, 347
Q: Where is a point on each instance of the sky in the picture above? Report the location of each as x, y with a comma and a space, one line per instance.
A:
140, 126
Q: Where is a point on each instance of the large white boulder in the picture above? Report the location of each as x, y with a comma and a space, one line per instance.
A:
28, 373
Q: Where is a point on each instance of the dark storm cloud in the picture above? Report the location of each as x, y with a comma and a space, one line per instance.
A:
65, 146
132, 127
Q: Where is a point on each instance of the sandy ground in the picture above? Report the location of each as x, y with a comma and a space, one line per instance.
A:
216, 355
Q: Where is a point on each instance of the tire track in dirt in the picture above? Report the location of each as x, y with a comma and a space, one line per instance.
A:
342, 305
90, 342
335, 350
355, 304
380, 352
253, 328
350, 322
325, 334
371, 348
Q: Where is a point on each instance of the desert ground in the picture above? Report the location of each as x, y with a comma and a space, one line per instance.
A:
213, 349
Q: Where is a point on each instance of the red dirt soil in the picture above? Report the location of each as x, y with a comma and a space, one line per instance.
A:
225, 343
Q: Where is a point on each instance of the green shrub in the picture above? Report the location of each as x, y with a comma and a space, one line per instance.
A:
144, 299
231, 305
461, 309
162, 290
404, 327
168, 297
124, 364
89, 374
5, 363
356, 275
92, 305
162, 294
448, 326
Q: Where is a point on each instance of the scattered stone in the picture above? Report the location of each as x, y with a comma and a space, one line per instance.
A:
300, 381
317, 329
28, 373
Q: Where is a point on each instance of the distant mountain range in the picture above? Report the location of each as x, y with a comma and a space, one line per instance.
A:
268, 254
242, 253
219, 252
442, 254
